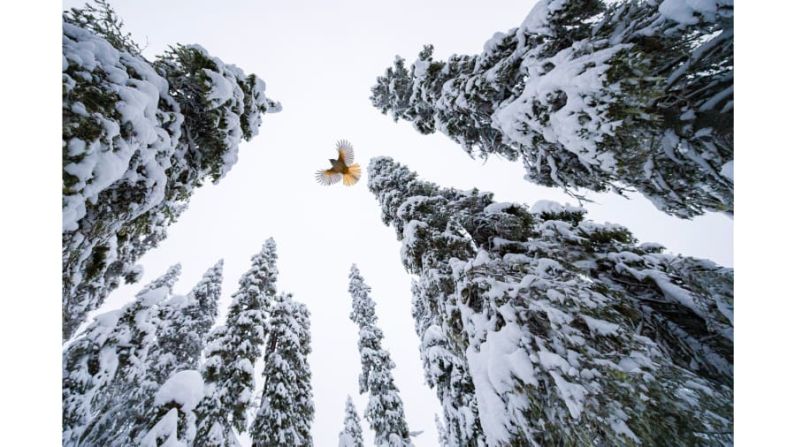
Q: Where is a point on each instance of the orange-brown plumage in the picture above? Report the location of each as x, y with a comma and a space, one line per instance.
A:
342, 168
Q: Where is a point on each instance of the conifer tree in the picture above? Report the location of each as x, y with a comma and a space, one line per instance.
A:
304, 399
445, 368
594, 95
571, 331
231, 352
175, 401
351, 434
185, 323
384, 409
286, 409
105, 373
138, 138
441, 431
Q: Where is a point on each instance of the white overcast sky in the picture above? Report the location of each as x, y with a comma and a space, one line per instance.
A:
319, 59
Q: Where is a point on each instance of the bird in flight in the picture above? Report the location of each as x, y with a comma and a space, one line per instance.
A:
343, 168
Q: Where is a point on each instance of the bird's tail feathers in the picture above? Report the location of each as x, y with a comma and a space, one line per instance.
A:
353, 175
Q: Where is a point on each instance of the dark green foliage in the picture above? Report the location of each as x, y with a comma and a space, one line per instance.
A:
100, 18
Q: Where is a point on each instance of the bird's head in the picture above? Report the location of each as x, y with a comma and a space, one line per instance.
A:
331, 160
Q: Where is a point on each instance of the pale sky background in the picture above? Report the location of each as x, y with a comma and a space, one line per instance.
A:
319, 59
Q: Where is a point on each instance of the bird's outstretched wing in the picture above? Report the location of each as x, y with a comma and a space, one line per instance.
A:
327, 176
345, 151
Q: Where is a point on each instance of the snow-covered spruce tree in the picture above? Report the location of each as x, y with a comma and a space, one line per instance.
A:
185, 323
104, 369
441, 430
231, 352
138, 138
175, 400
384, 409
572, 332
445, 366
592, 95
351, 434
286, 409
125, 356
173, 363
